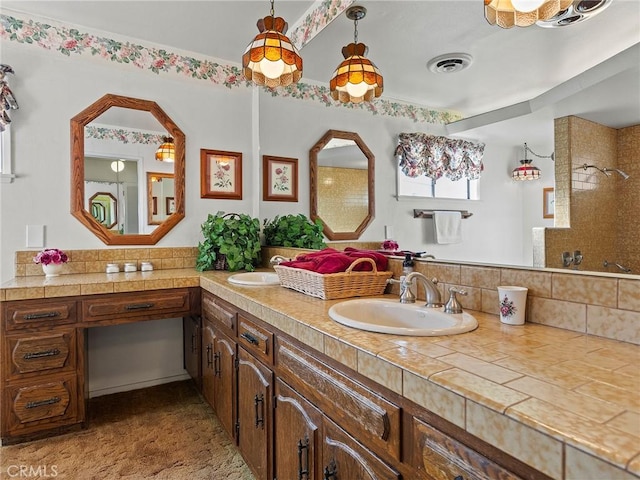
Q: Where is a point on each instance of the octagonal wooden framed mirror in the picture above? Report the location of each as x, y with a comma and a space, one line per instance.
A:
342, 178
142, 126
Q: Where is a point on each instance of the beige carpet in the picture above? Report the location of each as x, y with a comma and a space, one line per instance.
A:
163, 432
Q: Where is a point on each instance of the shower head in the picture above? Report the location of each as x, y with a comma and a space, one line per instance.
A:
606, 170
620, 172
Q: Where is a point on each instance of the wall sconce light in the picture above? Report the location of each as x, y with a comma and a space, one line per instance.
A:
522, 13
356, 79
527, 171
167, 151
271, 59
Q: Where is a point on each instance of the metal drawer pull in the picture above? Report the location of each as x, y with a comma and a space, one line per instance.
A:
209, 357
216, 364
138, 306
42, 403
45, 353
259, 399
303, 472
35, 316
250, 338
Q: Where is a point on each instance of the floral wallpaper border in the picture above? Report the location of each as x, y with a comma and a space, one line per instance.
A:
70, 41
317, 20
122, 135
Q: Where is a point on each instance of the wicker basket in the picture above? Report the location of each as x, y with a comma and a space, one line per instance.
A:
331, 286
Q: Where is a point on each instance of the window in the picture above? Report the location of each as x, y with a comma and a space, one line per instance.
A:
438, 167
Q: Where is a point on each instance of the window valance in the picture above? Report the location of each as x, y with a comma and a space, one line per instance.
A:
434, 157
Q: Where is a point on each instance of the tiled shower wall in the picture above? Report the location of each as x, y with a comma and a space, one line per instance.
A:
595, 213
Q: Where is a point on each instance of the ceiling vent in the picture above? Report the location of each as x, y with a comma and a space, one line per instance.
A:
449, 63
578, 11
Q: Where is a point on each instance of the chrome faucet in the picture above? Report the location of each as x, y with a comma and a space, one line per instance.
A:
431, 292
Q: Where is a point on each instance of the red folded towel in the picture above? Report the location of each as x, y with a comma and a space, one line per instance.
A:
330, 260
381, 260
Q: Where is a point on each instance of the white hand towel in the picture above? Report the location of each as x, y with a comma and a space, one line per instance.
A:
447, 226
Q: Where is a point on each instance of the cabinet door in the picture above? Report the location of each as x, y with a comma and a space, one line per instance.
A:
191, 347
296, 436
344, 458
208, 363
254, 413
224, 381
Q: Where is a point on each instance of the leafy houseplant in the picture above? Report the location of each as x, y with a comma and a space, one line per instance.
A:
231, 242
294, 231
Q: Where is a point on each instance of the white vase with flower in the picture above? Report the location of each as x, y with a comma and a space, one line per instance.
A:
52, 261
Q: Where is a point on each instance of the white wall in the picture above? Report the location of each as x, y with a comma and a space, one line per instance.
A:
51, 88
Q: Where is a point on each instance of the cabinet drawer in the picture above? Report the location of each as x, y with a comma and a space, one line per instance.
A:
41, 352
219, 313
441, 457
375, 421
139, 306
255, 339
38, 313
36, 407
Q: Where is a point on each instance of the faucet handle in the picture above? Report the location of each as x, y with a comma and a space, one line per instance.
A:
453, 306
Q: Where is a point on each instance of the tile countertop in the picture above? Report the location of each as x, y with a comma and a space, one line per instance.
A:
566, 403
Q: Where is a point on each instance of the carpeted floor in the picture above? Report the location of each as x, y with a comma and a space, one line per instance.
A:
162, 432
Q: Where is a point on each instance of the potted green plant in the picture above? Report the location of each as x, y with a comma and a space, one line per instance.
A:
294, 231
231, 242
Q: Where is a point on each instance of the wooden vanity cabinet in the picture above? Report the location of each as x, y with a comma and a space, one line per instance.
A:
237, 380
43, 352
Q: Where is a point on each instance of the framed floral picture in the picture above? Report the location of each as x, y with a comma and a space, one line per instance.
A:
548, 202
279, 179
220, 174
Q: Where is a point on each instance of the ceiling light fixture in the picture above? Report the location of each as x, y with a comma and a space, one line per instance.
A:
117, 166
167, 151
356, 79
521, 13
527, 171
271, 59
578, 11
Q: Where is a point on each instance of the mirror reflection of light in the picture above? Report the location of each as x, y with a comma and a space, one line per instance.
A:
117, 166
327, 181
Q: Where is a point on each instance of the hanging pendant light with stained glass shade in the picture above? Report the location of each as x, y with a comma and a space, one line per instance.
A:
526, 170
356, 79
271, 59
522, 13
166, 152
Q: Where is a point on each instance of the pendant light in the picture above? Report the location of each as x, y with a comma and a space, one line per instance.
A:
167, 151
527, 171
271, 59
356, 79
522, 13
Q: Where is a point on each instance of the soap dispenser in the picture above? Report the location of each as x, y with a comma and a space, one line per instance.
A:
407, 265
407, 268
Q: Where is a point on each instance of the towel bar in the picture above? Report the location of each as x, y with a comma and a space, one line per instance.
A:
420, 213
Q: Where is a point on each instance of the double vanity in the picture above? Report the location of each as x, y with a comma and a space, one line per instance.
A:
307, 397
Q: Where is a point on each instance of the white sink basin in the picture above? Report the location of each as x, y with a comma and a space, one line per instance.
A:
255, 278
391, 316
